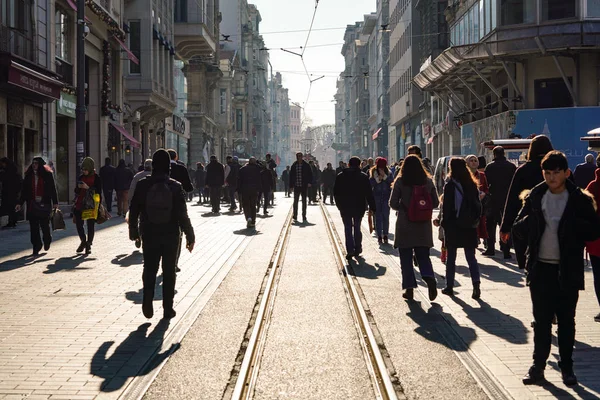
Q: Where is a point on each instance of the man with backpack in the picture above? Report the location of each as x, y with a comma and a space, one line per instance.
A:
159, 204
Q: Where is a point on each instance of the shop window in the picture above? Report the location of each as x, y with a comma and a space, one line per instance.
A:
593, 8
558, 9
135, 42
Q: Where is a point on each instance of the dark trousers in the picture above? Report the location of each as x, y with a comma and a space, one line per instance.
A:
266, 199
215, 198
596, 271
406, 265
286, 188
300, 191
327, 191
35, 224
451, 266
108, 198
249, 198
157, 248
232, 190
353, 233
492, 221
549, 299
91, 224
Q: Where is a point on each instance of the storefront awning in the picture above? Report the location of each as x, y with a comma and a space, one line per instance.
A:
33, 81
126, 134
376, 134
130, 55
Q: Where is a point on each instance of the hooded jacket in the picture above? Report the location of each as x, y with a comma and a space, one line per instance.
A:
578, 224
352, 192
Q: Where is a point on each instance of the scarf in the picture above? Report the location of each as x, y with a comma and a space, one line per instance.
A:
378, 178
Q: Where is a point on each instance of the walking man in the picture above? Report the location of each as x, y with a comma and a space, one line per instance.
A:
300, 180
231, 179
215, 179
285, 177
586, 172
249, 184
123, 178
352, 192
108, 175
328, 179
159, 204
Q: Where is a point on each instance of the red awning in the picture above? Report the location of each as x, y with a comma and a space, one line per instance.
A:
74, 7
376, 134
34, 81
126, 134
130, 55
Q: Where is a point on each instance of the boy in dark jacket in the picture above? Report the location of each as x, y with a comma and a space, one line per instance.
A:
556, 220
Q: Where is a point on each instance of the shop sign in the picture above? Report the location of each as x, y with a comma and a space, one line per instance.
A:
30, 82
178, 124
438, 128
66, 105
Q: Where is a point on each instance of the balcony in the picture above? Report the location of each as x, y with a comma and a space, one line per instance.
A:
14, 41
194, 32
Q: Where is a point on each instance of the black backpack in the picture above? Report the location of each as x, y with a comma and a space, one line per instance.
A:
469, 214
159, 203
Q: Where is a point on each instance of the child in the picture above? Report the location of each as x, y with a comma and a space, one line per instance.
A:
556, 220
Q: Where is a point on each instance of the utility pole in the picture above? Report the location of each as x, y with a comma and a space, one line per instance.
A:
80, 111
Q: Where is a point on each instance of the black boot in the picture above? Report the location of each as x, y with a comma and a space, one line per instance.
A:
81, 247
568, 376
476, 291
431, 286
534, 376
409, 294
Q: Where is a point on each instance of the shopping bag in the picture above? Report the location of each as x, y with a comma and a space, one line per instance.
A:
57, 220
103, 215
92, 213
371, 226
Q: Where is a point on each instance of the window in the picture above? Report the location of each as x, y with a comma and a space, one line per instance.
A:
558, 9
593, 8
513, 12
223, 101
494, 10
552, 93
482, 31
239, 120
476, 30
135, 45
180, 11
62, 25
488, 16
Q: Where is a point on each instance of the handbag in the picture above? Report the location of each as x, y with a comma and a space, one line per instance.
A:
93, 212
103, 215
57, 220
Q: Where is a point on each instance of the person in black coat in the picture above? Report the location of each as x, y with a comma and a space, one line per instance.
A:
215, 179
249, 184
11, 188
300, 181
352, 192
285, 178
179, 172
586, 172
123, 178
499, 174
200, 183
328, 179
108, 174
266, 180
39, 192
233, 169
160, 240
526, 177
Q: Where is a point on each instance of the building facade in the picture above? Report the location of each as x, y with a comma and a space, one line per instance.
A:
296, 136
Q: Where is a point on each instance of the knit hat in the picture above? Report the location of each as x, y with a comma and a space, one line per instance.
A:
161, 161
88, 164
381, 163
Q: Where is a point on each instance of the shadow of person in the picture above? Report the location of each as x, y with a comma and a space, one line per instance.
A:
247, 232
68, 264
494, 321
304, 224
439, 327
114, 369
362, 269
498, 274
587, 359
21, 262
127, 260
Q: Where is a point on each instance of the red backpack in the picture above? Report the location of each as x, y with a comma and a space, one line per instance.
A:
421, 206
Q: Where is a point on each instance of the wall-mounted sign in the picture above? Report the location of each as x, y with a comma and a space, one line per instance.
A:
178, 124
33, 81
66, 105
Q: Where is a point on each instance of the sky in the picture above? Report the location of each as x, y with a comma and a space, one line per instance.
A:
329, 26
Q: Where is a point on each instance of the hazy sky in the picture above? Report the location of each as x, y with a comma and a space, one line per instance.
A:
287, 15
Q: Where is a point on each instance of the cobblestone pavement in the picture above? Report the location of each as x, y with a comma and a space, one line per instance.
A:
72, 324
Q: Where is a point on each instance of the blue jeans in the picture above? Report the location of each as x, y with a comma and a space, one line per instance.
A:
451, 266
406, 265
596, 271
382, 218
353, 233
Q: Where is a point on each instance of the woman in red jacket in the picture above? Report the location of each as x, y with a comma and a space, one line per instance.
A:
593, 248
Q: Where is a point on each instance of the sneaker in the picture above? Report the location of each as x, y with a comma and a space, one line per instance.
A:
448, 291
597, 317
534, 376
249, 223
168, 314
409, 294
138, 243
431, 287
349, 256
568, 376
81, 247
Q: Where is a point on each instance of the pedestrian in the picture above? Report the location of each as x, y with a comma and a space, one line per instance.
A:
369, 165
328, 179
340, 168
159, 205
300, 181
11, 183
232, 171
179, 172
499, 174
381, 181
312, 192
352, 192
88, 182
266, 179
272, 166
200, 183
460, 219
285, 178
192, 177
473, 164
123, 178
526, 177
428, 166
556, 219
108, 175
215, 179
39, 192
317, 182
414, 197
593, 248
416, 150
586, 172
147, 171
249, 184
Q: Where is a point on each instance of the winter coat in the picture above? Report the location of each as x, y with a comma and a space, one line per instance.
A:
180, 173
594, 189
232, 176
108, 174
499, 174
249, 178
526, 177
484, 188
138, 177
578, 224
411, 234
584, 174
95, 184
215, 174
352, 191
266, 178
11, 188
456, 236
49, 197
200, 178
285, 176
307, 176
179, 216
328, 177
123, 177
339, 170
382, 185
